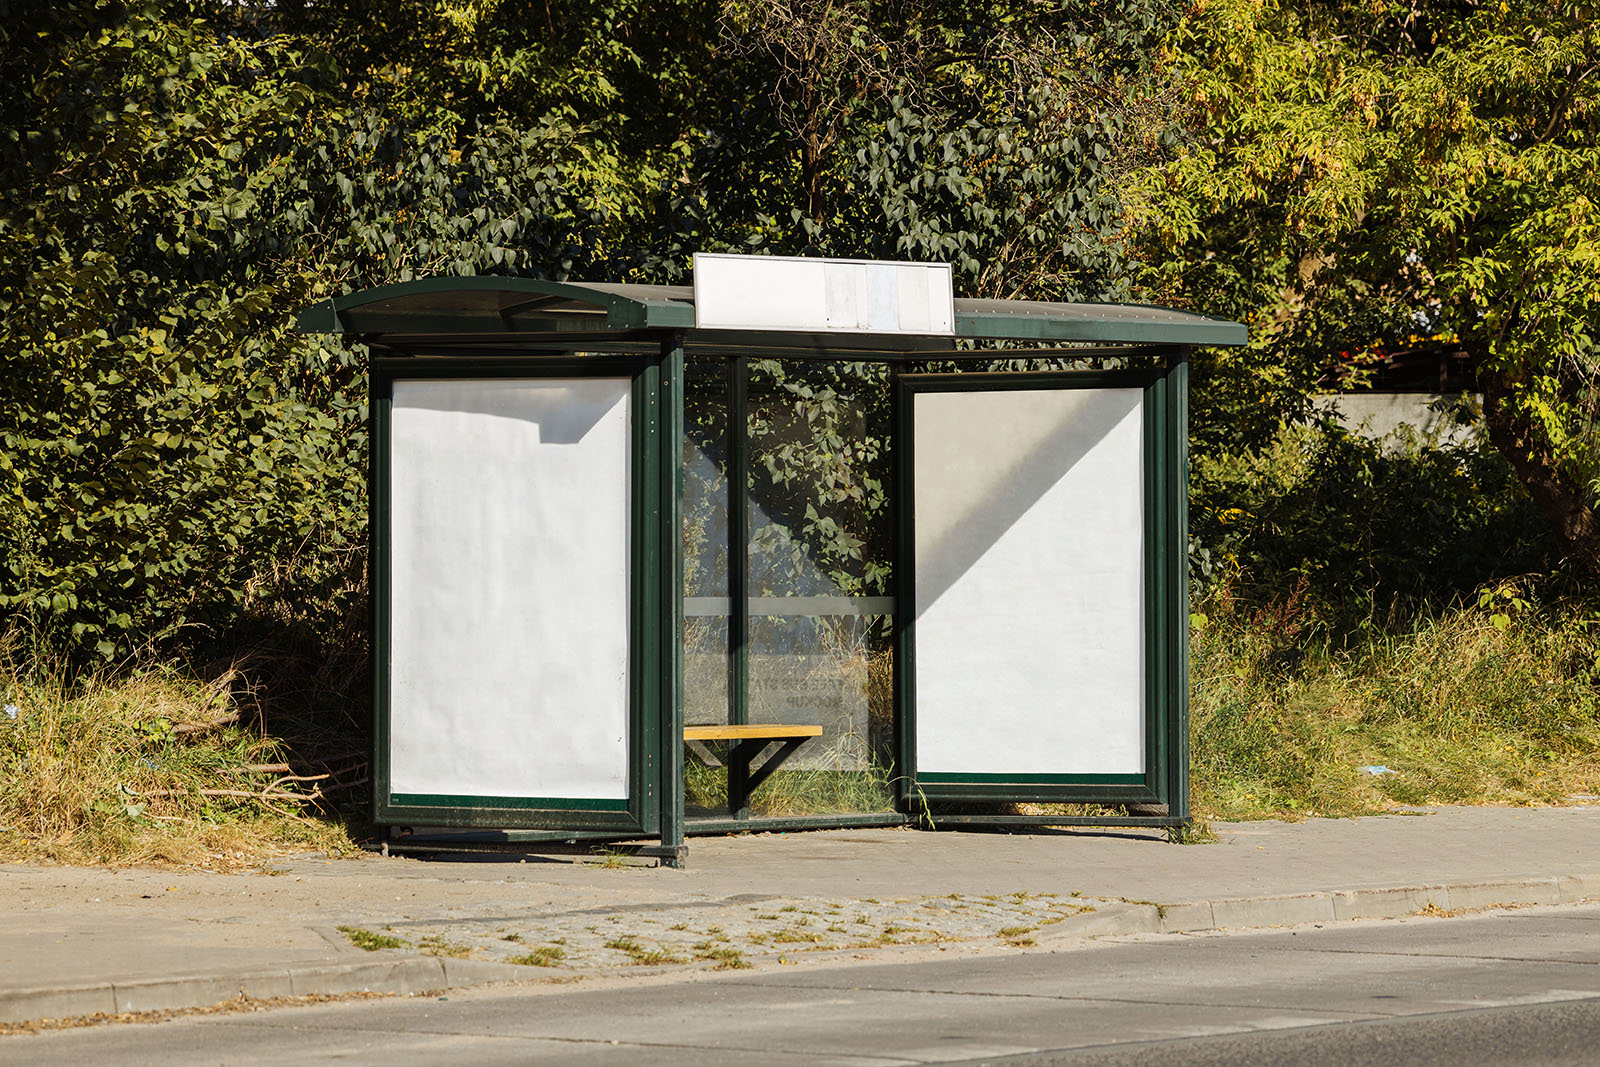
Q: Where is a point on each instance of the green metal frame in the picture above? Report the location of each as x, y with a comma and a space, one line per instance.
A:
1164, 780
649, 677
737, 381
488, 327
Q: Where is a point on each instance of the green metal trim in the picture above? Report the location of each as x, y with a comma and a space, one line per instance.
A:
1165, 701
455, 800
380, 398
335, 314
671, 308
940, 822
941, 778
1058, 793
1192, 330
739, 543
643, 771
502, 819
1157, 660
904, 587
669, 537
759, 824
1178, 643
646, 594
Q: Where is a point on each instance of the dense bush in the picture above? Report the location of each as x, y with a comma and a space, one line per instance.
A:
1361, 530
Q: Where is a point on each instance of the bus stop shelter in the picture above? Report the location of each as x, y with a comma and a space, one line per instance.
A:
809, 543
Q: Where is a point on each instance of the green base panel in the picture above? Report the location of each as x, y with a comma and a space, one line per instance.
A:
942, 821
725, 825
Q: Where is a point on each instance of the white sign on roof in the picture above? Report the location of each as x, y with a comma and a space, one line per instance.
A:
822, 295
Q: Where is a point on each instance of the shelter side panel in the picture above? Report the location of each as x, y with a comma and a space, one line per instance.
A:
509, 590
1029, 571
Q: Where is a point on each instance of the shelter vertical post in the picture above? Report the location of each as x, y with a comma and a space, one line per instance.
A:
1178, 386
738, 540
670, 531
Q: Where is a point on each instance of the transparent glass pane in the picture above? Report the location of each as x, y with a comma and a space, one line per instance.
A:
705, 542
820, 617
705, 581
836, 672
705, 670
705, 479
818, 506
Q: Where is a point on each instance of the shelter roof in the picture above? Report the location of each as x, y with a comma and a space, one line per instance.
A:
491, 311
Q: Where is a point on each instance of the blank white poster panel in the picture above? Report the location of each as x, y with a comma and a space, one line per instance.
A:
1029, 518
509, 567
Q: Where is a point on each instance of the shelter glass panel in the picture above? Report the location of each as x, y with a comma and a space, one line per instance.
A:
706, 574
819, 567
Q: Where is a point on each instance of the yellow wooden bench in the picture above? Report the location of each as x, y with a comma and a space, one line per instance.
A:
772, 731
749, 739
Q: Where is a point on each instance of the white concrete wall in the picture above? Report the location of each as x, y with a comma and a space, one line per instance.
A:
1377, 415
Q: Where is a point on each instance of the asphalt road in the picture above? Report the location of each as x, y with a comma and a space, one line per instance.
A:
1519, 987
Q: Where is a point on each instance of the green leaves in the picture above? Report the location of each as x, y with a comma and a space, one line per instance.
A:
1364, 176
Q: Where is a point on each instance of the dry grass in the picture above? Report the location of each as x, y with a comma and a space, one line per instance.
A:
149, 766
1463, 707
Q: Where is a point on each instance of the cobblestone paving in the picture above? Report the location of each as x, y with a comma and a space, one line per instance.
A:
732, 932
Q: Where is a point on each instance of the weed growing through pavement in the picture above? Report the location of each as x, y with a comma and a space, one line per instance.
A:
639, 955
436, 945
370, 941
726, 959
542, 956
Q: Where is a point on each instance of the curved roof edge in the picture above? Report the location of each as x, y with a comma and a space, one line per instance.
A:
482, 305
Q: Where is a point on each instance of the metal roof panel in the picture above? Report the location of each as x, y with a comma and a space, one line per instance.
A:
479, 305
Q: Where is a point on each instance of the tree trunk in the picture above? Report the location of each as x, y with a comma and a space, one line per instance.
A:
1563, 503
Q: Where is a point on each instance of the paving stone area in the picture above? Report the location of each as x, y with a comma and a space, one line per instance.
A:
732, 932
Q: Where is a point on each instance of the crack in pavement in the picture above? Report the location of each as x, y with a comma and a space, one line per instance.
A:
262, 1024
1437, 955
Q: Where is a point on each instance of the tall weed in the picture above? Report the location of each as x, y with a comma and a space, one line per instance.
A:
152, 765
1467, 705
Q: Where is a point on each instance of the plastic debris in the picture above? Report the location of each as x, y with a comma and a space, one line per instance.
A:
1377, 770
12, 711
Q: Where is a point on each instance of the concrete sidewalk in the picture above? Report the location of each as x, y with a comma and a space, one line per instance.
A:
81, 941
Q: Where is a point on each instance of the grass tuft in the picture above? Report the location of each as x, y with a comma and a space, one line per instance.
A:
542, 956
435, 945
726, 959
641, 956
372, 942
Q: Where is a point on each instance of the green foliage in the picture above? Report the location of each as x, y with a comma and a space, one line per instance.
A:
158, 455
176, 466
988, 135
1359, 173
173, 455
819, 457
